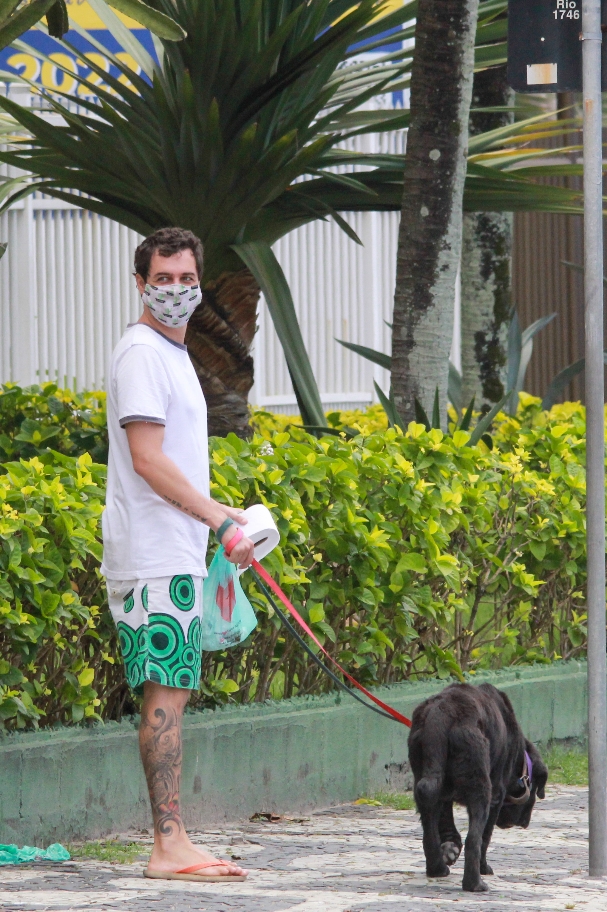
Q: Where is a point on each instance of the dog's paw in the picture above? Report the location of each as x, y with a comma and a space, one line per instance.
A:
486, 869
476, 886
451, 852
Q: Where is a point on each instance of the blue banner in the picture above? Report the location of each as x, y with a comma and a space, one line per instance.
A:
49, 73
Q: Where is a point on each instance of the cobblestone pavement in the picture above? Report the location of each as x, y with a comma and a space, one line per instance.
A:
353, 858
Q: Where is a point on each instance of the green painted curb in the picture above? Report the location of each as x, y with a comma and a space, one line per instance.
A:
290, 756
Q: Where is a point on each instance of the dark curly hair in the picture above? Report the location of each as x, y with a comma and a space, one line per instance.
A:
166, 242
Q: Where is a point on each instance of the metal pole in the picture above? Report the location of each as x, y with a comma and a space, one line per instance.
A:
595, 438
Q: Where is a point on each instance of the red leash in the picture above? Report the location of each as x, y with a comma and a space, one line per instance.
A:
298, 618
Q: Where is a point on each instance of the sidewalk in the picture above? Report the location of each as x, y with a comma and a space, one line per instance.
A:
353, 858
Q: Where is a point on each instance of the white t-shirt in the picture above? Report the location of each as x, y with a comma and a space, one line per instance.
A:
152, 379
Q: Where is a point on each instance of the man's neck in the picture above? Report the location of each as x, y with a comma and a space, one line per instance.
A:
176, 333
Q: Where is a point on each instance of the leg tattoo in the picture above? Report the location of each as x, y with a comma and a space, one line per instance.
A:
160, 741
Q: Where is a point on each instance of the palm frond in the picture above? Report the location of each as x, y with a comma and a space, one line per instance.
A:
17, 18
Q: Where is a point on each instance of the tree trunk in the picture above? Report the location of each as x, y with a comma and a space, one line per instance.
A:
486, 267
219, 338
429, 243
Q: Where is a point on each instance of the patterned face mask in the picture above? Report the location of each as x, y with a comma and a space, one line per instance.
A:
172, 305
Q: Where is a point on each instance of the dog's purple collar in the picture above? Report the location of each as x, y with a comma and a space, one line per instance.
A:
529, 767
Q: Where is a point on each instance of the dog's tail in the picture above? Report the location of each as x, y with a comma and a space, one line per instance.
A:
435, 748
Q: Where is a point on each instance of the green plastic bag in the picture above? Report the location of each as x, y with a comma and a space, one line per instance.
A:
227, 615
12, 854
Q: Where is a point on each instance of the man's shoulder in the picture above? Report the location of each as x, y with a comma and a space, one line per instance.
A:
137, 335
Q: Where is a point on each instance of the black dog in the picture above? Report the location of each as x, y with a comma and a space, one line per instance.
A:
466, 746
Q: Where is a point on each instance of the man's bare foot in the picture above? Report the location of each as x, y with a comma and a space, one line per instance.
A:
174, 854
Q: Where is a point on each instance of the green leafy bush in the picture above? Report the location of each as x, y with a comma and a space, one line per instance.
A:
366, 421
409, 554
54, 641
34, 418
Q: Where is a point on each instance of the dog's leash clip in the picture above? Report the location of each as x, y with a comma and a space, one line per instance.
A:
524, 782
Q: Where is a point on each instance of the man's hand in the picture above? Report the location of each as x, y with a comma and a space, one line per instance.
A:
242, 553
235, 513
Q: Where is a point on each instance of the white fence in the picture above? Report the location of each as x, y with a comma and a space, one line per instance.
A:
67, 293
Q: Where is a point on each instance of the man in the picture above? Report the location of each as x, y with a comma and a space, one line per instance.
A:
156, 527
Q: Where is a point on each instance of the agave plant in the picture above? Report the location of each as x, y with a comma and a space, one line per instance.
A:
17, 17
520, 350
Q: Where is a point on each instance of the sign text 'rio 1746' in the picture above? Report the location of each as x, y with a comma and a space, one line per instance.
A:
544, 46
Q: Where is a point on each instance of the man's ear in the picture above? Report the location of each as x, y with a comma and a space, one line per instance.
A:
540, 770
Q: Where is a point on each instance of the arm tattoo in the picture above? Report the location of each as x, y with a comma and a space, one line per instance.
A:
160, 741
188, 510
171, 501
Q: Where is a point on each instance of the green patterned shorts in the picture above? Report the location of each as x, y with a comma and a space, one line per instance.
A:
158, 623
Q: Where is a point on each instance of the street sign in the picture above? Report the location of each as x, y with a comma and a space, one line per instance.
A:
545, 47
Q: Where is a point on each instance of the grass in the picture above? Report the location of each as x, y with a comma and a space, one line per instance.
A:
566, 766
398, 802
108, 850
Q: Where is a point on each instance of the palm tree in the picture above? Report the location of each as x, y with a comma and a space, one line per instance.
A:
430, 236
232, 134
486, 263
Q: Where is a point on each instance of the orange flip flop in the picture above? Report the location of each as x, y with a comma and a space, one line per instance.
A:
190, 874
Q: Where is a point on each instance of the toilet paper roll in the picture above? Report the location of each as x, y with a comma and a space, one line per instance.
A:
261, 529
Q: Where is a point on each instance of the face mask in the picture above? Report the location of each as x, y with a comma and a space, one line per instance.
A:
172, 305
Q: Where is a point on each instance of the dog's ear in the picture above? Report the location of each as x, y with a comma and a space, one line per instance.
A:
540, 770
541, 780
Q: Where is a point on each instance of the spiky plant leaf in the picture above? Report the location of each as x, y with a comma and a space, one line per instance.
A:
369, 354
485, 423
465, 422
13, 24
262, 262
562, 379
389, 406
158, 23
454, 388
436, 422
515, 345
421, 416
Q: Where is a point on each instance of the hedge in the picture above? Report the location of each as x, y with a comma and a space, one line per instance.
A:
410, 554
